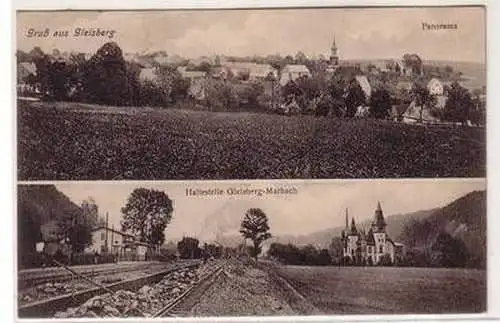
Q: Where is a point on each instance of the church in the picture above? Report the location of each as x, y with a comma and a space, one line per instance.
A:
369, 247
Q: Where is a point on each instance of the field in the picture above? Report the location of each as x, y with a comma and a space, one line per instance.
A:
356, 290
62, 141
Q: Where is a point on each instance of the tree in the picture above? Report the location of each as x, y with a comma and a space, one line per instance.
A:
300, 58
385, 260
448, 251
188, 248
147, 214
256, 228
324, 258
355, 97
204, 67
106, 77
423, 98
220, 96
336, 249
75, 228
90, 210
413, 62
380, 103
459, 105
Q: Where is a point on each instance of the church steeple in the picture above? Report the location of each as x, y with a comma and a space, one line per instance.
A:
334, 55
334, 46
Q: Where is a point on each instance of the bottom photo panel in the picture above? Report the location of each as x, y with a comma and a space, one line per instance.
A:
251, 248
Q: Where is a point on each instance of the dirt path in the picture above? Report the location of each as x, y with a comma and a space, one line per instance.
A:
245, 289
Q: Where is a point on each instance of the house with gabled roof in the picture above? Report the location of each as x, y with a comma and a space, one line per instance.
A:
365, 85
27, 83
292, 72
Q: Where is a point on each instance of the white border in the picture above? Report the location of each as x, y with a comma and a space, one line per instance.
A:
8, 143
217, 4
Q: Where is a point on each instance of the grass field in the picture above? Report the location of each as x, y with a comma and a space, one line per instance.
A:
62, 141
376, 290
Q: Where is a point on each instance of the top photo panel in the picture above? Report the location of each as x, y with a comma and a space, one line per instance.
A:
311, 93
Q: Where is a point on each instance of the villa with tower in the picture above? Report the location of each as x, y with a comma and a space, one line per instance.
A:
370, 247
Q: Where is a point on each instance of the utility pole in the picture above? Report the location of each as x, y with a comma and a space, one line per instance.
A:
112, 236
106, 239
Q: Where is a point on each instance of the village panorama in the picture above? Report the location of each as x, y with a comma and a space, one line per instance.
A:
252, 117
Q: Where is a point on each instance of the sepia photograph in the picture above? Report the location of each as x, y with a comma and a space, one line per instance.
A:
261, 248
310, 93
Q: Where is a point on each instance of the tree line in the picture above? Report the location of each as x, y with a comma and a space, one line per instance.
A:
106, 78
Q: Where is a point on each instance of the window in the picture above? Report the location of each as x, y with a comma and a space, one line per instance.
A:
381, 249
103, 236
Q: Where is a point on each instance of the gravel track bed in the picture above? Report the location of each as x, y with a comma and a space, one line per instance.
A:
242, 290
147, 301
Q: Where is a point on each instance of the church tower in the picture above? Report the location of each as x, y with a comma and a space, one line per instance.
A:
334, 55
333, 61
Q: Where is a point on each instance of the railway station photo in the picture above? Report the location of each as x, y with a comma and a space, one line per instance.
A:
121, 249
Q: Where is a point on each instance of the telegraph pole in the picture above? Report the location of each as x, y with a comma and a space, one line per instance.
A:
106, 239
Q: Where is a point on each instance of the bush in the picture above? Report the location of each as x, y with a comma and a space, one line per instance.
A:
293, 255
385, 260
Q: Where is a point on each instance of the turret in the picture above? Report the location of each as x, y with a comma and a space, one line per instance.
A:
379, 223
354, 231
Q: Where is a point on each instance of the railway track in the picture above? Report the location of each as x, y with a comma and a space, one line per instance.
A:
59, 275
182, 305
48, 307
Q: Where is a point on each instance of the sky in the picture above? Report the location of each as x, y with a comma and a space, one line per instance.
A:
316, 205
361, 33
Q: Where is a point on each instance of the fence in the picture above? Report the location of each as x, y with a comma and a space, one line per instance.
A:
37, 260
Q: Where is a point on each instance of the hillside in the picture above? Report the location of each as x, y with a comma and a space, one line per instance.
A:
39, 205
322, 239
463, 219
395, 224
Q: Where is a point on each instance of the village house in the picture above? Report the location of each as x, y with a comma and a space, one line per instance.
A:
109, 240
369, 247
27, 85
125, 246
251, 71
148, 74
435, 87
191, 75
417, 113
292, 72
365, 85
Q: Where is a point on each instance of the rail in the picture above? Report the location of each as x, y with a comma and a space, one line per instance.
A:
48, 307
196, 289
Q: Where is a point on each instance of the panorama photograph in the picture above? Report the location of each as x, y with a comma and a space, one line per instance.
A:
311, 93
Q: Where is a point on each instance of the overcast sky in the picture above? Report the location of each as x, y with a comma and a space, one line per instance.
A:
316, 206
360, 32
